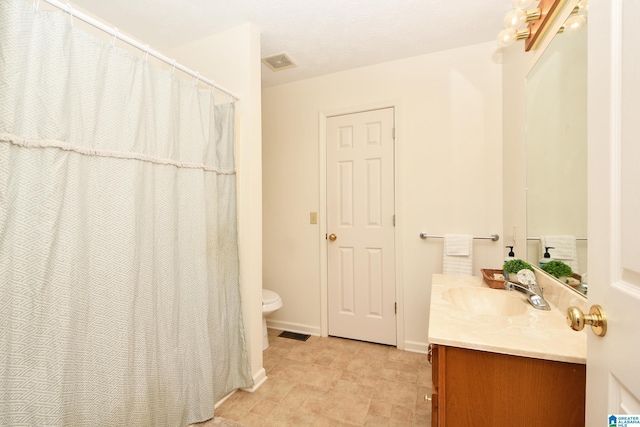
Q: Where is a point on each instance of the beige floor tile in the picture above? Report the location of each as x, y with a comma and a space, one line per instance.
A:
378, 407
325, 358
254, 420
369, 380
313, 405
372, 420
341, 361
364, 366
296, 397
402, 413
274, 389
285, 417
347, 407
424, 377
397, 393
263, 407
246, 401
322, 421
374, 351
323, 377
335, 382
351, 376
354, 388
408, 357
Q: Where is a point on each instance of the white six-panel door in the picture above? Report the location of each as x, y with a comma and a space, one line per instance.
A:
613, 361
360, 215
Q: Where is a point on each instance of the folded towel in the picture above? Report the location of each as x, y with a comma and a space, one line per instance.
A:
457, 256
564, 249
457, 244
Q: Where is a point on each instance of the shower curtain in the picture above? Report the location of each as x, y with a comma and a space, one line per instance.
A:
119, 296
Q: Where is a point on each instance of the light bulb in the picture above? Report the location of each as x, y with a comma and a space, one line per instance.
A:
575, 23
516, 18
506, 37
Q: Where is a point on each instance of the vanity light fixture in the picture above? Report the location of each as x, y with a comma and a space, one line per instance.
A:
578, 18
528, 24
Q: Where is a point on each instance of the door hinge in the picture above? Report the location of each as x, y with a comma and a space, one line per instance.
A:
393, 133
394, 220
396, 307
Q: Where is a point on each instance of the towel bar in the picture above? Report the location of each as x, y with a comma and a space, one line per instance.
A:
494, 237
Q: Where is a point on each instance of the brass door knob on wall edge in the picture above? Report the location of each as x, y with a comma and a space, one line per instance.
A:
576, 319
332, 237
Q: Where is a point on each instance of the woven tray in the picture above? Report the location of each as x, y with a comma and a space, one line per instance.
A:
488, 276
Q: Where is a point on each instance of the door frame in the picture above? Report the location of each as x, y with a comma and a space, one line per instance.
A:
322, 229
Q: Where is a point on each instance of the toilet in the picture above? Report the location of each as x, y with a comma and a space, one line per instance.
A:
270, 302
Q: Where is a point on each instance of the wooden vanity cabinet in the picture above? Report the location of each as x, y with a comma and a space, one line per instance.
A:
479, 388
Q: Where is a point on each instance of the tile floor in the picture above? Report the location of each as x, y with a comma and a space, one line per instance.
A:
335, 382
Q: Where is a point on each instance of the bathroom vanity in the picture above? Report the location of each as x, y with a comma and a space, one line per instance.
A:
496, 360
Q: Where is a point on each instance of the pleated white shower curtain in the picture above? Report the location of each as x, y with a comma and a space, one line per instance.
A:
119, 297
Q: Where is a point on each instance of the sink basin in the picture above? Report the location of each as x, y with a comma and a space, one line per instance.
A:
485, 301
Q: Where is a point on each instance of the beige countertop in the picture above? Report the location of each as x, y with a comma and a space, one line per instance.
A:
522, 332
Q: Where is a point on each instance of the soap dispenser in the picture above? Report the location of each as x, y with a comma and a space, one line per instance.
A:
511, 255
547, 256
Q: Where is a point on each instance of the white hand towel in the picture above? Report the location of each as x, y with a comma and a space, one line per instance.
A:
457, 256
564, 249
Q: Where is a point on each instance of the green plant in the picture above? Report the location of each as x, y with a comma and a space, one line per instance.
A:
515, 265
557, 269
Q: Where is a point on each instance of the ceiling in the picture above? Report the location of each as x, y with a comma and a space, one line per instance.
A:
321, 36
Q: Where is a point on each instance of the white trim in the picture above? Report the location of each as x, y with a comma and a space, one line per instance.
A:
258, 379
322, 229
322, 173
224, 399
416, 347
615, 145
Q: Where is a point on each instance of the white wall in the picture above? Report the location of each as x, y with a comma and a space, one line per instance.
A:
449, 174
232, 58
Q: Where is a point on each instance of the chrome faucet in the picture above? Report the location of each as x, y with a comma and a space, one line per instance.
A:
535, 294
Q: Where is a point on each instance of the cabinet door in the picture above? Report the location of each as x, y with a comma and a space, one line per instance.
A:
482, 389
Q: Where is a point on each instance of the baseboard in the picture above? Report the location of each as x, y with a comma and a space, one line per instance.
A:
416, 347
258, 379
293, 327
221, 401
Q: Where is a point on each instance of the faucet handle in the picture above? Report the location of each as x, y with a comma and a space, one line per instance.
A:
526, 277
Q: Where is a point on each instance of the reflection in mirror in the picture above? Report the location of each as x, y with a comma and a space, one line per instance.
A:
557, 155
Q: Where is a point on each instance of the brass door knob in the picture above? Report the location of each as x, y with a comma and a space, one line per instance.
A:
332, 237
576, 319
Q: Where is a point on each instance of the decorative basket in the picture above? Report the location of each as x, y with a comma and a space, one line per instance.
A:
493, 278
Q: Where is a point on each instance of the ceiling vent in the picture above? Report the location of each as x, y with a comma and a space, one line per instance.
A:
278, 62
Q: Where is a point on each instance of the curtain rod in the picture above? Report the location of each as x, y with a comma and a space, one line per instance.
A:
144, 48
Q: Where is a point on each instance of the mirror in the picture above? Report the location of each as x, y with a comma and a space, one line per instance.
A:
556, 138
